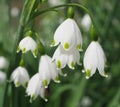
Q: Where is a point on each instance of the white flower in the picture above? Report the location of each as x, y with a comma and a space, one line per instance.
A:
28, 44
68, 34
86, 22
2, 77
62, 57
55, 2
35, 88
14, 12
20, 76
3, 62
94, 59
48, 70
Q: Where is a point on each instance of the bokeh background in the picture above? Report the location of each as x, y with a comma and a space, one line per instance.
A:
74, 90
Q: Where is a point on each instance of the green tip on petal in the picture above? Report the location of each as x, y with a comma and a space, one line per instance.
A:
57, 79
83, 71
63, 74
26, 84
32, 98
105, 75
17, 84
45, 83
18, 49
59, 64
46, 100
72, 65
35, 53
88, 73
24, 50
79, 47
66, 45
53, 43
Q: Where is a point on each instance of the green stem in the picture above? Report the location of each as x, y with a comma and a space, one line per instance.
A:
63, 5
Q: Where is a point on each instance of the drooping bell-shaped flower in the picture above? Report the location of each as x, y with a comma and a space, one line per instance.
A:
94, 59
68, 34
2, 77
20, 76
35, 88
86, 22
63, 57
48, 70
28, 44
3, 62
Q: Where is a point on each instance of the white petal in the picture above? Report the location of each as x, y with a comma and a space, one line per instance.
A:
90, 58
20, 76
52, 69
3, 62
34, 87
101, 59
27, 44
44, 70
86, 22
78, 37
65, 34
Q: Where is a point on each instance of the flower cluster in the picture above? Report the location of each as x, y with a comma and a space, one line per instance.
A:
69, 38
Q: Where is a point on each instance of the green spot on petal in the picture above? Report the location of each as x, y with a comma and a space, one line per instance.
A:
35, 53
105, 75
24, 50
88, 73
26, 84
66, 45
78, 46
57, 79
32, 98
72, 65
17, 84
45, 83
53, 43
59, 64
18, 49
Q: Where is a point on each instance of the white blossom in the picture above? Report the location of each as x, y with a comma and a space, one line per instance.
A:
35, 88
55, 2
20, 76
48, 70
3, 62
68, 34
14, 11
2, 77
86, 22
94, 59
62, 57
28, 44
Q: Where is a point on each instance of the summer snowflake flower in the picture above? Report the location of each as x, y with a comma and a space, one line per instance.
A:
68, 34
28, 44
20, 76
94, 59
2, 77
35, 88
86, 22
62, 57
3, 62
48, 70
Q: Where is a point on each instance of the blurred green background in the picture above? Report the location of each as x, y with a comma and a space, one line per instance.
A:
74, 90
